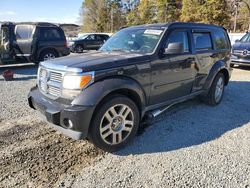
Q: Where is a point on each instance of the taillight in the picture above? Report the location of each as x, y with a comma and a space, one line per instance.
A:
65, 44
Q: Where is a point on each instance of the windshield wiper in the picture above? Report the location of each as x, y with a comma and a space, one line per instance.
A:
117, 50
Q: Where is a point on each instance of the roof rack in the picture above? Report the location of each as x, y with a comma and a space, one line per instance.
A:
31, 23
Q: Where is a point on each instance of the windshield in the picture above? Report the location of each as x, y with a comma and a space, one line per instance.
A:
245, 38
137, 40
83, 37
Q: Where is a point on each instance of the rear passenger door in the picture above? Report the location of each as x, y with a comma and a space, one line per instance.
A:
203, 47
91, 42
24, 38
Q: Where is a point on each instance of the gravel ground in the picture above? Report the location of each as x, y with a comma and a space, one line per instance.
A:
192, 145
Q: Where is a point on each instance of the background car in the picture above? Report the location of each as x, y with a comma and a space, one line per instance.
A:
241, 51
88, 42
31, 42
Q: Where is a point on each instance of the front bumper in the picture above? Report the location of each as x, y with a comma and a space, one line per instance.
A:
237, 61
59, 115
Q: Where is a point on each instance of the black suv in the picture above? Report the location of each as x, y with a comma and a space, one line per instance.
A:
138, 73
241, 51
31, 42
88, 42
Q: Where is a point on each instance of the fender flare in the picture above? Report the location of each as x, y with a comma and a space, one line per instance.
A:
217, 67
43, 49
95, 93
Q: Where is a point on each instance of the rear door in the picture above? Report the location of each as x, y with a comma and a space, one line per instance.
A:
204, 49
24, 36
101, 39
91, 42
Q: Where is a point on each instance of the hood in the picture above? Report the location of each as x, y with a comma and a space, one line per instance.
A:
94, 61
242, 46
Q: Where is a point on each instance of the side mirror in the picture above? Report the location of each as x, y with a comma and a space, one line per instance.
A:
237, 40
174, 48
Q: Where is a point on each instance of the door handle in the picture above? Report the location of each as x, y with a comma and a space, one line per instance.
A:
213, 55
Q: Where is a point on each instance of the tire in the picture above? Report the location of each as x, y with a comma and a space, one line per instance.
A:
108, 130
47, 55
79, 48
216, 90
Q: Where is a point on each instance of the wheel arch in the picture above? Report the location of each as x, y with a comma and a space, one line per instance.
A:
47, 49
218, 67
100, 91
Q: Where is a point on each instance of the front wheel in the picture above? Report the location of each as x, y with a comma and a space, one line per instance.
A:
216, 91
115, 123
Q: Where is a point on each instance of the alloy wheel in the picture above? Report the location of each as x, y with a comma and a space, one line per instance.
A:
116, 124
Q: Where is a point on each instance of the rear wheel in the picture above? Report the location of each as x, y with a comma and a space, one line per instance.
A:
116, 122
79, 49
216, 91
47, 55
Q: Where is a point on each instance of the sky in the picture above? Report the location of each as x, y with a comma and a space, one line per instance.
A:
56, 11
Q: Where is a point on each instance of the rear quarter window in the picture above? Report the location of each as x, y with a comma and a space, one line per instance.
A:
220, 40
202, 41
50, 33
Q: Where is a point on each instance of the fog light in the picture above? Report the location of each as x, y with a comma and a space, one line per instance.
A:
67, 123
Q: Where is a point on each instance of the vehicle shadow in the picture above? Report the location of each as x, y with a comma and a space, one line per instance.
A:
194, 123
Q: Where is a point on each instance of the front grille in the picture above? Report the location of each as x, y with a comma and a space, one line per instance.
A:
50, 82
241, 52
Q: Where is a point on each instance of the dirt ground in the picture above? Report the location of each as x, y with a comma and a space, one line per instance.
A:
34, 155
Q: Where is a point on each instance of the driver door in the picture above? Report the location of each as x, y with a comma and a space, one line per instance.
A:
173, 73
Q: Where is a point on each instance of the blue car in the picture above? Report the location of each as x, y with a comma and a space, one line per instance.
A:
241, 51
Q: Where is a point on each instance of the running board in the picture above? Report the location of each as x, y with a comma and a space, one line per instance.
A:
157, 112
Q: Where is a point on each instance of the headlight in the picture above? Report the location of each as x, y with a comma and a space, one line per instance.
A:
77, 82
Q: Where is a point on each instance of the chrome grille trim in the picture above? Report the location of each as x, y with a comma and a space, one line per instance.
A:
50, 82
240, 52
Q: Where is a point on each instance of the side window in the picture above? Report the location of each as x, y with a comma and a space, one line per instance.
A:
180, 37
99, 37
202, 41
24, 32
106, 37
50, 33
91, 37
220, 40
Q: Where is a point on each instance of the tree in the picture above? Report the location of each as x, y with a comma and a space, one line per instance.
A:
88, 14
168, 10
147, 11
102, 15
190, 11
209, 11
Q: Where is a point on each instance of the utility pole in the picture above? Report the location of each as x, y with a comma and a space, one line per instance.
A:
235, 15
112, 19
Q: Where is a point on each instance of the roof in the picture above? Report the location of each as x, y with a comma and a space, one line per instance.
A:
179, 24
30, 23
